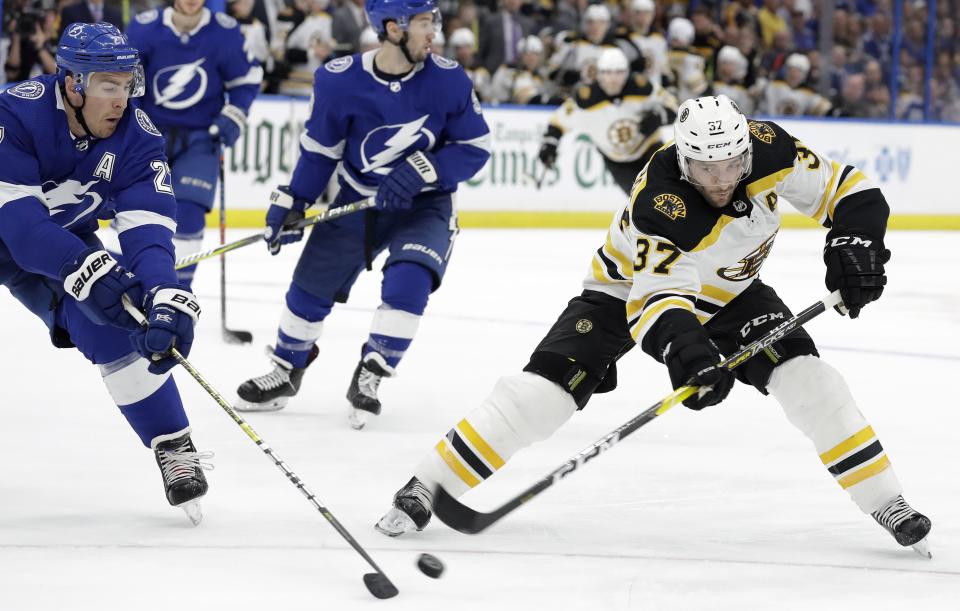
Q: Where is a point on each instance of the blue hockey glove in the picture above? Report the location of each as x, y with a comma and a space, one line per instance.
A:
285, 209
405, 182
227, 126
98, 283
172, 312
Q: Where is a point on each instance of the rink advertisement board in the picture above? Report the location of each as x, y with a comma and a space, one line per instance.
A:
906, 161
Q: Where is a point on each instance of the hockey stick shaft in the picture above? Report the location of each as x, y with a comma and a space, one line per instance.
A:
272, 455
230, 335
327, 215
460, 517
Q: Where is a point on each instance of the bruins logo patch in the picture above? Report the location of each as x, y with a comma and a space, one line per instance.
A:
670, 205
749, 266
762, 132
584, 326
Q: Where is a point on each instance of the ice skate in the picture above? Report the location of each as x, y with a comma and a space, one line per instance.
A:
182, 469
908, 526
271, 391
362, 393
410, 511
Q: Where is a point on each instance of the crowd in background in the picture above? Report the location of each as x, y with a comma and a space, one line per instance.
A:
765, 54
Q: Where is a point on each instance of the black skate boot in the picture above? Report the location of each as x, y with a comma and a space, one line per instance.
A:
271, 391
182, 470
907, 525
410, 511
362, 393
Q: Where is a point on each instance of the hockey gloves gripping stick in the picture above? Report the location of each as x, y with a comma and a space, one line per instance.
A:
172, 313
327, 215
98, 283
406, 180
462, 518
286, 210
855, 268
694, 360
377, 583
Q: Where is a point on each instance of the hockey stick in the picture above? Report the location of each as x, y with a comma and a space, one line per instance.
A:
460, 517
327, 215
231, 336
377, 583
538, 182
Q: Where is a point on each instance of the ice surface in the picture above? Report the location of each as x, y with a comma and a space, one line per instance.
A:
728, 508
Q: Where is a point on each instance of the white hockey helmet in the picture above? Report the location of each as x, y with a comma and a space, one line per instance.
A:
681, 30
531, 44
596, 12
641, 6
368, 38
800, 62
612, 59
463, 37
733, 55
713, 141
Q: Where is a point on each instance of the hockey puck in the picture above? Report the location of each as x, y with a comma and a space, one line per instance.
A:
430, 566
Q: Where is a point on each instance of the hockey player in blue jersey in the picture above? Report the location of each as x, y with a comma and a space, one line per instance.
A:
75, 149
405, 127
200, 85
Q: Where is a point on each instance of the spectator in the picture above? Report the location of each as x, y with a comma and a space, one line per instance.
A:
708, 36
348, 21
89, 11
770, 21
729, 80
852, 101
789, 96
501, 33
524, 82
301, 39
254, 33
439, 45
32, 48
686, 77
464, 46
802, 30
644, 36
878, 40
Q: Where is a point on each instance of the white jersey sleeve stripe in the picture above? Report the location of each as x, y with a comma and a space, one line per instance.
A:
309, 144
10, 192
654, 312
132, 219
253, 77
482, 143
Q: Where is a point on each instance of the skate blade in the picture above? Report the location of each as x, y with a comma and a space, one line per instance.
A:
395, 523
267, 406
922, 547
193, 510
358, 418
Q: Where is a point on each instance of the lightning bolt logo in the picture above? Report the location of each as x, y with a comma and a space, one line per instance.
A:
177, 82
395, 146
70, 193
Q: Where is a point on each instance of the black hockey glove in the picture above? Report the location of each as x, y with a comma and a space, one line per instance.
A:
855, 267
548, 152
653, 120
692, 359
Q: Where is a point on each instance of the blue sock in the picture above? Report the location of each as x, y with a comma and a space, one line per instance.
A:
161, 413
300, 325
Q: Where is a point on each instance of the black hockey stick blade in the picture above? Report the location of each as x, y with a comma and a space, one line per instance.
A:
379, 585
462, 518
232, 336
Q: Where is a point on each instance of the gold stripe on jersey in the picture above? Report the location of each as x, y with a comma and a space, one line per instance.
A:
867, 472
635, 306
848, 444
823, 201
455, 465
714, 235
852, 179
639, 328
599, 265
767, 182
480, 444
717, 294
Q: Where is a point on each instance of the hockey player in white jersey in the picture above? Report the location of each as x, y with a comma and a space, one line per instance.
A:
790, 96
622, 113
77, 149
679, 276
405, 127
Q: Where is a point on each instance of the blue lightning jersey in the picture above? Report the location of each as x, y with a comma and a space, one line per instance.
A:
54, 187
371, 124
189, 75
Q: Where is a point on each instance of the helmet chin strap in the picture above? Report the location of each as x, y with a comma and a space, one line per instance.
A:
77, 110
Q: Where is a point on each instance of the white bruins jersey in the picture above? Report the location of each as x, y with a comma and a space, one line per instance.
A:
669, 249
782, 100
738, 93
579, 56
687, 74
654, 49
614, 123
481, 81
516, 86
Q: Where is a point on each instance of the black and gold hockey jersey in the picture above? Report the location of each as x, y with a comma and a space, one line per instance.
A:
613, 123
668, 248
